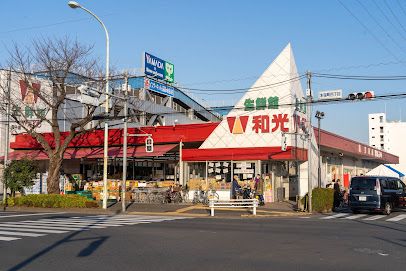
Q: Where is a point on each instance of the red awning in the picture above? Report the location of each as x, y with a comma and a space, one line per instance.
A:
77, 153
240, 154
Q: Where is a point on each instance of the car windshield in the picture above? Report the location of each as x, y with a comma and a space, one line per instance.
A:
363, 183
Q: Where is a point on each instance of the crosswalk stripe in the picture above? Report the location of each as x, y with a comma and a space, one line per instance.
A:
21, 233
32, 230
353, 217
397, 218
334, 216
84, 223
57, 225
10, 231
30, 226
375, 217
6, 238
115, 221
19, 215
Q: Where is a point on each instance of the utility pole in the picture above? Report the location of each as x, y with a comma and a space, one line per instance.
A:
7, 137
123, 183
309, 138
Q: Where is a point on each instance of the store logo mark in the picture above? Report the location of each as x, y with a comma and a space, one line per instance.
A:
237, 125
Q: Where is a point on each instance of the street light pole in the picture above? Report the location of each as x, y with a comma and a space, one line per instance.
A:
319, 116
74, 5
123, 184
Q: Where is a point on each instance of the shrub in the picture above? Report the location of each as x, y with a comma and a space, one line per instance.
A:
54, 201
19, 174
322, 199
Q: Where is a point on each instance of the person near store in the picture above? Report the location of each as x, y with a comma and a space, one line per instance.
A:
337, 194
259, 189
235, 187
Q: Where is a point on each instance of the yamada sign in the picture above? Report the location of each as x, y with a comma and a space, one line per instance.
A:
159, 68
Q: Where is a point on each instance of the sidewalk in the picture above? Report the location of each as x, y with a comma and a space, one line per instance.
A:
184, 209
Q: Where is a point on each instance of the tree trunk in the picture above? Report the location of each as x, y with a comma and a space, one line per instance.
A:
55, 164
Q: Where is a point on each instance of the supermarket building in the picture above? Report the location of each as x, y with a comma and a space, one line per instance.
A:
246, 142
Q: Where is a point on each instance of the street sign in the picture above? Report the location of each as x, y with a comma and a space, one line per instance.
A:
158, 68
159, 87
330, 94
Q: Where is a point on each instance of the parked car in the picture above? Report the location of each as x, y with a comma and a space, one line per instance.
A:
376, 193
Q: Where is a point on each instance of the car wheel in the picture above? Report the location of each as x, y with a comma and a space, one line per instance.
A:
388, 208
355, 211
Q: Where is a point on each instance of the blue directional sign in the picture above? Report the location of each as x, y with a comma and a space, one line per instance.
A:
159, 87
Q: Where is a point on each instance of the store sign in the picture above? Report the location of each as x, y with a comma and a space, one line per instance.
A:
260, 123
159, 68
261, 103
159, 87
330, 94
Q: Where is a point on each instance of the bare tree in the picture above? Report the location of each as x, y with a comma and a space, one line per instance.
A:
42, 78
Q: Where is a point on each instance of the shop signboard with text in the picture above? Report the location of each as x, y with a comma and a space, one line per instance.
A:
158, 68
159, 87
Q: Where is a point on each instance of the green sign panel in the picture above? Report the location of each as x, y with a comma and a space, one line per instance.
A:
169, 72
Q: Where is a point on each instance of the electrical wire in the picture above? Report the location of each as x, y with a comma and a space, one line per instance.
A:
368, 30
380, 26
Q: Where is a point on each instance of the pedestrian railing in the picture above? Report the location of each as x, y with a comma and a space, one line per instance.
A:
233, 203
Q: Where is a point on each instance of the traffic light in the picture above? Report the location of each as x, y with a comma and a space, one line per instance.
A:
366, 95
149, 144
284, 143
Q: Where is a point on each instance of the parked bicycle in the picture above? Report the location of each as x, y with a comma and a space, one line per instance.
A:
201, 196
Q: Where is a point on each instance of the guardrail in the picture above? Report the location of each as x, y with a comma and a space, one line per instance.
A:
233, 203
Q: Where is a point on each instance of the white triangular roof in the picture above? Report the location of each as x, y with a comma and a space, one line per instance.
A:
280, 80
382, 170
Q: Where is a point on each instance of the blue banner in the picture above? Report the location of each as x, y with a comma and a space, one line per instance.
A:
159, 87
154, 66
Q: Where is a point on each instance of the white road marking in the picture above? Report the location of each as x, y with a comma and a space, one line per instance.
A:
30, 226
2, 216
334, 216
32, 230
74, 222
353, 217
37, 223
397, 218
21, 233
375, 217
5, 238
13, 230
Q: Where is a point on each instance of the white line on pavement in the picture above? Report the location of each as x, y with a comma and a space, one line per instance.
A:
1, 216
397, 218
32, 230
353, 216
334, 216
84, 223
375, 217
36, 223
5, 238
21, 233
29, 226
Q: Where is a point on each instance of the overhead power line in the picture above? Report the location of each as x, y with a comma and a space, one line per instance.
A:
368, 30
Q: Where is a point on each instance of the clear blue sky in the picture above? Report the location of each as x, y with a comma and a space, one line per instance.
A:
234, 41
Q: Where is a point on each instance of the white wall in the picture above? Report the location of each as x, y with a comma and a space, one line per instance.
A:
392, 138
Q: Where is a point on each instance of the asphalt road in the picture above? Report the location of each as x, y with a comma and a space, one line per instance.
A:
296, 243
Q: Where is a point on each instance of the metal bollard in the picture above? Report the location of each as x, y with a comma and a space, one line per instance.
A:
211, 203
